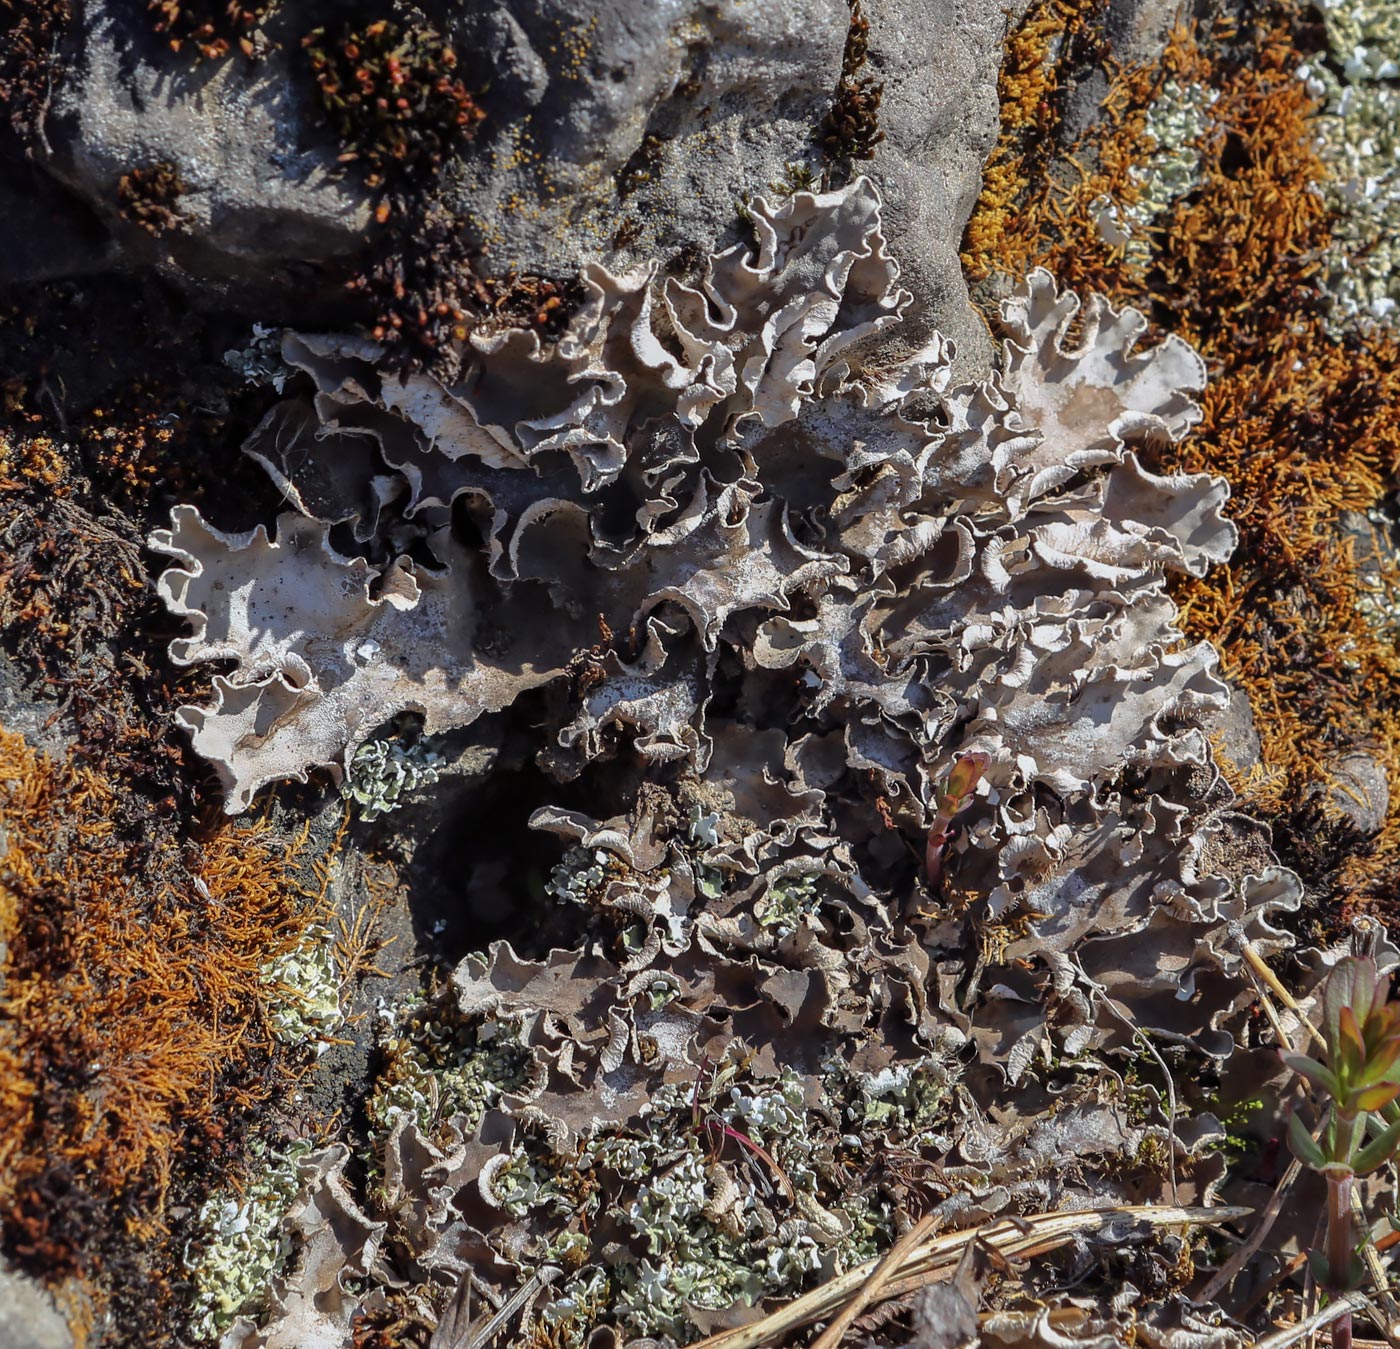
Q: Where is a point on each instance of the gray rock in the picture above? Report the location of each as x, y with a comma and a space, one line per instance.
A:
646, 127
614, 130
1235, 733
1360, 791
28, 1317
264, 194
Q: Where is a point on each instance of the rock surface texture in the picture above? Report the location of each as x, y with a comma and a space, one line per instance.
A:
612, 131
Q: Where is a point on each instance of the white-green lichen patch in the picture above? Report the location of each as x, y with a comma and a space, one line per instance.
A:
383, 774
1175, 123
1357, 82
438, 1069
729, 1196
243, 1242
260, 362
303, 991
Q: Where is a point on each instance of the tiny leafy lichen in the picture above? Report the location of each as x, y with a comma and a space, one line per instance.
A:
242, 1242
260, 362
304, 991
1357, 83
706, 1206
439, 1069
385, 773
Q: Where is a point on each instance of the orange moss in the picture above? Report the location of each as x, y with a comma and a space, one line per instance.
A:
1049, 38
130, 1015
1303, 424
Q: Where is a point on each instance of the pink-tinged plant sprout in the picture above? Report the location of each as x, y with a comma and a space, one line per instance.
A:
948, 802
1361, 1079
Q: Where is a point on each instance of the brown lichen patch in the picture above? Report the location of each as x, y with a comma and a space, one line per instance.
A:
149, 197
1303, 424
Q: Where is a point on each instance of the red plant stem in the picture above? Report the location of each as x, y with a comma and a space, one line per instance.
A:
1339, 1246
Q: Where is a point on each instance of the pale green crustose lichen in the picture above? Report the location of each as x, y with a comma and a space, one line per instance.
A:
303, 991
1358, 84
384, 773
243, 1242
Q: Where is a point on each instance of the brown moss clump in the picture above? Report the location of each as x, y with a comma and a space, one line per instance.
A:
851, 128
1055, 40
150, 197
34, 32
1305, 426
132, 1039
130, 1016
210, 29
393, 96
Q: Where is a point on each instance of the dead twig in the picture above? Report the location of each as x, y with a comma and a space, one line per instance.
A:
936, 1257
1333, 1311
872, 1289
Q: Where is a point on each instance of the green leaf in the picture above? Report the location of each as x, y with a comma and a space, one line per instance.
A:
1318, 1076
1352, 983
1378, 1151
1303, 1145
1374, 1098
1349, 1052
1382, 1062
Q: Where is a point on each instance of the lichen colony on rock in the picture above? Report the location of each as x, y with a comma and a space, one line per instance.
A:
776, 592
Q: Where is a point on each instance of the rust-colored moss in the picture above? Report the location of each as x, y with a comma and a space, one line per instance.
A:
132, 1045
29, 64
131, 993
1303, 424
210, 29
150, 197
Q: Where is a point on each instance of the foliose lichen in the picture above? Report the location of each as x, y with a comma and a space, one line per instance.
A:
438, 1068
303, 988
756, 594
243, 1241
385, 773
260, 362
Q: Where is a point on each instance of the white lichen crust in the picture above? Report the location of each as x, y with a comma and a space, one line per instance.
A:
788, 590
1357, 82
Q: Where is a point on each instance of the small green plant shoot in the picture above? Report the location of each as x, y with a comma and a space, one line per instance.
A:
1361, 1078
948, 801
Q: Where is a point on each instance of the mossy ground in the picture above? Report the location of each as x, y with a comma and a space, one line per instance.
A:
1304, 424
136, 1044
